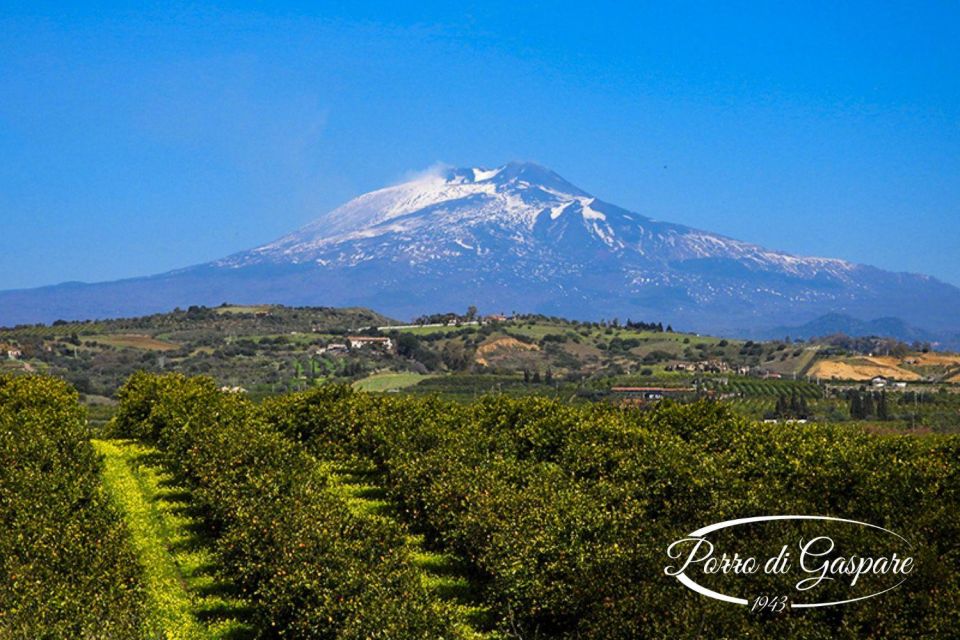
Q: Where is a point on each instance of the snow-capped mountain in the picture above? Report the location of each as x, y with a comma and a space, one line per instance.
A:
521, 209
516, 238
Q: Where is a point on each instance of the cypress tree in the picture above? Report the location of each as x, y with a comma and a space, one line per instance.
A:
781, 411
856, 406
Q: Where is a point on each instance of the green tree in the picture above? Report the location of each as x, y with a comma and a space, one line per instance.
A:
869, 406
856, 406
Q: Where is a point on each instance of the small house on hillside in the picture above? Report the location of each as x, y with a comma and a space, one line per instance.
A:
879, 382
332, 348
375, 342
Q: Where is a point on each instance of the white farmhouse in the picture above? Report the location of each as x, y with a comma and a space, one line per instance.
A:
376, 342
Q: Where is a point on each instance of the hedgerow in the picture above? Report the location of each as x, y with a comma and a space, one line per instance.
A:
66, 567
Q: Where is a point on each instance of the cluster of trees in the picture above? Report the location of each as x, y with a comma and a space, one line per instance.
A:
647, 326
794, 408
66, 566
565, 512
869, 405
450, 318
623, 344
533, 377
310, 566
561, 512
419, 351
601, 324
751, 349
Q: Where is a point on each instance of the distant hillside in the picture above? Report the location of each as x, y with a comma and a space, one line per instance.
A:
835, 323
268, 348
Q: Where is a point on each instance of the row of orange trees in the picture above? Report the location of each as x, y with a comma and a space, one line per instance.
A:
66, 566
565, 512
309, 566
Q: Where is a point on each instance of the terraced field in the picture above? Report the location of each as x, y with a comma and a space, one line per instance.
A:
861, 369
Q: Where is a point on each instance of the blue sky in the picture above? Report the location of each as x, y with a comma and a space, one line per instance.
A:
141, 138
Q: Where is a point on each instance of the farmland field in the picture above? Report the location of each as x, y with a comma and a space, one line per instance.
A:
859, 369
184, 598
386, 381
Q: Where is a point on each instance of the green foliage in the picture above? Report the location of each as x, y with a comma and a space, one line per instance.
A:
758, 388
310, 567
562, 512
66, 568
565, 511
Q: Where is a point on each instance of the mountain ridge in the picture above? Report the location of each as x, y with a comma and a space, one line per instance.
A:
518, 237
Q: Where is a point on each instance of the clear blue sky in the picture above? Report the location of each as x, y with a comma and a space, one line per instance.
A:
137, 139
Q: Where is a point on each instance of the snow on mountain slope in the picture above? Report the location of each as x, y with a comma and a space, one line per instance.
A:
520, 208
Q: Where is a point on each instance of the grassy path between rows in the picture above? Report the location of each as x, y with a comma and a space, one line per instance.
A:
185, 599
444, 575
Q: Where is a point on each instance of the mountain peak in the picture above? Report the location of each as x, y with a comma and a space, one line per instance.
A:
515, 175
525, 174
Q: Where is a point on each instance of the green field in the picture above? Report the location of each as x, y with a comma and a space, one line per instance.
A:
380, 382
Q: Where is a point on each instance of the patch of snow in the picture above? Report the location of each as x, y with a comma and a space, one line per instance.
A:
555, 212
480, 175
588, 213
